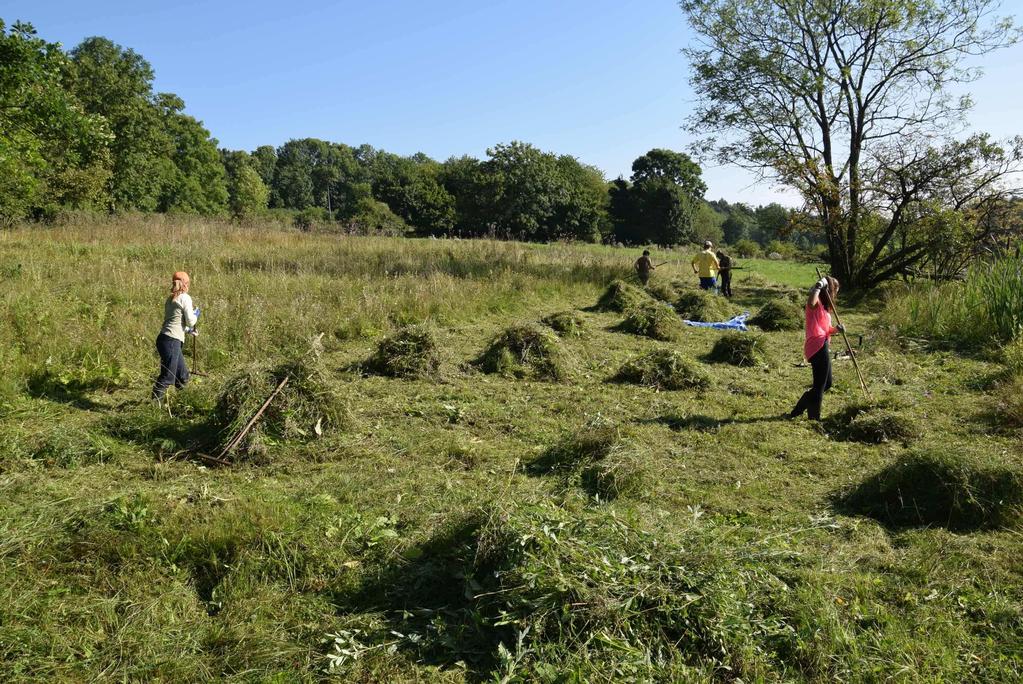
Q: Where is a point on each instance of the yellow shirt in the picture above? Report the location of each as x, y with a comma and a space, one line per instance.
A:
707, 263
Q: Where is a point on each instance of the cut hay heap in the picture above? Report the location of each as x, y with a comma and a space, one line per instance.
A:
873, 422
652, 319
566, 323
619, 296
664, 369
703, 306
525, 351
740, 349
945, 488
307, 406
779, 314
666, 292
410, 353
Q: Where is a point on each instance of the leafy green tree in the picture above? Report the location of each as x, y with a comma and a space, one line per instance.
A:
660, 202
708, 223
310, 172
264, 161
247, 193
739, 225
195, 181
412, 188
51, 152
116, 83
848, 102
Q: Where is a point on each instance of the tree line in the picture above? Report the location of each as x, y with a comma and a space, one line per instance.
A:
85, 129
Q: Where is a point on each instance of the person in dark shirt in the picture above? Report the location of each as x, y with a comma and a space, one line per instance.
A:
726, 273
643, 267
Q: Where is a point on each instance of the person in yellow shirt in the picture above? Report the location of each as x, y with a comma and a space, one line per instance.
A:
705, 265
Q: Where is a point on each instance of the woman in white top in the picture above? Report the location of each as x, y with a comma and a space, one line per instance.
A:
178, 317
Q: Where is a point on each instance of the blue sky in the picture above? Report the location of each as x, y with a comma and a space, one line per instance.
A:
603, 80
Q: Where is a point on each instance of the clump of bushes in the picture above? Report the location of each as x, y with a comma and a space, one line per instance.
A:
779, 314
620, 296
664, 369
525, 351
873, 422
307, 406
939, 487
565, 323
701, 305
412, 352
653, 320
740, 349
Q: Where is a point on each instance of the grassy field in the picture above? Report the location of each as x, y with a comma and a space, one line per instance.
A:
468, 526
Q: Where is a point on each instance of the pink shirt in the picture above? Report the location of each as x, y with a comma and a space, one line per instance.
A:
818, 329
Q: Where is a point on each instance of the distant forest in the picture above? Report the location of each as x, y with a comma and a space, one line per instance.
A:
84, 130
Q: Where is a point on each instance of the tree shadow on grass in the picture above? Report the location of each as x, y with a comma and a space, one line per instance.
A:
704, 423
430, 597
42, 385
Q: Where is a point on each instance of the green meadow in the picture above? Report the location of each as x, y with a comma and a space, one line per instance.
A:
478, 475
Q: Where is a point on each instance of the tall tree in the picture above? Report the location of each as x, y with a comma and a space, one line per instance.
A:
51, 152
247, 193
661, 201
843, 100
195, 181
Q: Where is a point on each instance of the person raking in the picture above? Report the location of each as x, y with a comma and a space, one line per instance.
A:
179, 318
725, 270
819, 330
705, 265
643, 267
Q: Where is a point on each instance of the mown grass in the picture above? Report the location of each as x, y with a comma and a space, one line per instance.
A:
467, 526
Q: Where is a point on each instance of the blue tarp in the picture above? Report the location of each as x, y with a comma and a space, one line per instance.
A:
737, 323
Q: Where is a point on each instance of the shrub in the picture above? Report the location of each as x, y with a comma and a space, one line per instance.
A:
700, 305
410, 353
620, 296
740, 349
657, 321
873, 422
1012, 356
566, 323
779, 314
937, 487
525, 351
747, 249
664, 369
308, 404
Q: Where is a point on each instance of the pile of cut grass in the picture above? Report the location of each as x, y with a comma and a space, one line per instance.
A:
591, 443
779, 314
664, 369
654, 320
740, 349
873, 422
666, 292
943, 487
1008, 401
620, 296
565, 323
704, 306
307, 406
525, 351
412, 352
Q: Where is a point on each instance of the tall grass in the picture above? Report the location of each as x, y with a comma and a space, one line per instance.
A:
982, 312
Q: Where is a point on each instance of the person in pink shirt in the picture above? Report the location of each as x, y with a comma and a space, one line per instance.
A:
815, 349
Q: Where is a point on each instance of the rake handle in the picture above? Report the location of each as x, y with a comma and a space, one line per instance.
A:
848, 347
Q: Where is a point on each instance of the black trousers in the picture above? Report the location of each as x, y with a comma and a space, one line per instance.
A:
173, 370
726, 283
810, 402
644, 277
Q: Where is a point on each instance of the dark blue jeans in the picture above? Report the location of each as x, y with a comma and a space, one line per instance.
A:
708, 283
811, 401
173, 370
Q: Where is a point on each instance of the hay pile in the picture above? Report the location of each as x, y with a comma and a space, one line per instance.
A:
598, 459
654, 320
666, 292
664, 369
700, 305
779, 314
740, 349
565, 323
411, 352
873, 422
308, 406
620, 296
940, 487
525, 351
